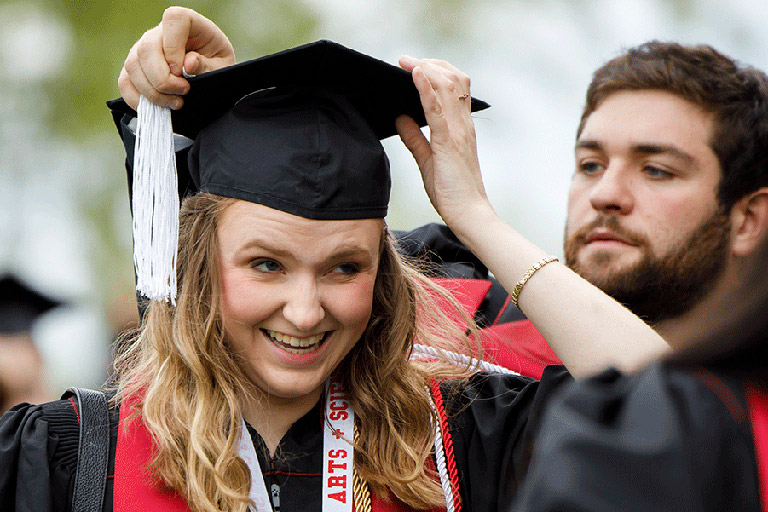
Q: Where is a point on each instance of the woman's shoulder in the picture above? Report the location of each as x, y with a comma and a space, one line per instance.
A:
497, 403
55, 420
38, 450
504, 386
39, 446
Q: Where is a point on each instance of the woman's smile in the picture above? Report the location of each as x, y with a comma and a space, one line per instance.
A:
294, 344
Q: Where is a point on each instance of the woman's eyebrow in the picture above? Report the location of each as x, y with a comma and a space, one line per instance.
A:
257, 243
351, 252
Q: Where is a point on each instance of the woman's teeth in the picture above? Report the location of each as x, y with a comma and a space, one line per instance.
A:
296, 345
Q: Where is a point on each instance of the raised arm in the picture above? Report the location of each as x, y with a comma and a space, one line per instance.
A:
587, 329
184, 40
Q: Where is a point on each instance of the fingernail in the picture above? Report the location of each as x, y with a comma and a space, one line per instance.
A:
175, 105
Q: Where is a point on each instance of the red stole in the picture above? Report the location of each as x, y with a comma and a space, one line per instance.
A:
133, 487
757, 399
517, 346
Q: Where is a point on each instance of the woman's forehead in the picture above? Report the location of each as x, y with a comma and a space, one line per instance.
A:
243, 224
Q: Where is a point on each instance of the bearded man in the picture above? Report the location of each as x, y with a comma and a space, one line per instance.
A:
668, 213
671, 157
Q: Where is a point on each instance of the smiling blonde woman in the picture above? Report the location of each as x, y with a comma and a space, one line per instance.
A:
274, 368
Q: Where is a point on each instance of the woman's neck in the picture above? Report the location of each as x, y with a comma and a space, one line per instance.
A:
272, 416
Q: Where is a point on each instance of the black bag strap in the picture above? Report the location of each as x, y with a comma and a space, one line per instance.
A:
93, 451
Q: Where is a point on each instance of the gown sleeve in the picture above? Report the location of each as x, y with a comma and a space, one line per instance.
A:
666, 439
38, 457
492, 420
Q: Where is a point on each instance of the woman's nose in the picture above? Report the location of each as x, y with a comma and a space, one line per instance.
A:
303, 306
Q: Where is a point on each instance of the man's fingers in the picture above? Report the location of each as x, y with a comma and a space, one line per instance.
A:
442, 74
193, 64
193, 32
407, 62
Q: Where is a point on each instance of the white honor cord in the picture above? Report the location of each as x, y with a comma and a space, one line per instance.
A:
440, 461
338, 455
425, 352
247, 452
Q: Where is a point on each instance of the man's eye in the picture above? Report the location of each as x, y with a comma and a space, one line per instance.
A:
655, 172
346, 268
590, 167
266, 265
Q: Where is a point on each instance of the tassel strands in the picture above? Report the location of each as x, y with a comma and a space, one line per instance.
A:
155, 204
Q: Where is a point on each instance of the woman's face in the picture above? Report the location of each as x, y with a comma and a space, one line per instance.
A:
296, 294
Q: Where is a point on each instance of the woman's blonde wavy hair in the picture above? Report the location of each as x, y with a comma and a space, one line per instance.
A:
190, 380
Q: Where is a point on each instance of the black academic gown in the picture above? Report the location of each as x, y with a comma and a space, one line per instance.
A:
673, 438
492, 422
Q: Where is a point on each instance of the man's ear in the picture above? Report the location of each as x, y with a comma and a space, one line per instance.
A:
749, 222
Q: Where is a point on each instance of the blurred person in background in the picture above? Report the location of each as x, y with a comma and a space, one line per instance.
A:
22, 372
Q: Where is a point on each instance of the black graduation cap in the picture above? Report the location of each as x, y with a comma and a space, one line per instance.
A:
297, 131
20, 305
378, 91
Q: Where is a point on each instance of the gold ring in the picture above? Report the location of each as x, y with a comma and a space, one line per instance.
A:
464, 96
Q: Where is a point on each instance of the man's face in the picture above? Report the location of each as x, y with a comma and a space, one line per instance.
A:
644, 222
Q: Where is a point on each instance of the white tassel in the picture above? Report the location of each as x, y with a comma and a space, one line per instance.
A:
155, 203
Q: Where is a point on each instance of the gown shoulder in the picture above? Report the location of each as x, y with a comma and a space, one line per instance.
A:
38, 455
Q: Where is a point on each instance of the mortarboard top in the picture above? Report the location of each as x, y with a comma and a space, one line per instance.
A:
20, 305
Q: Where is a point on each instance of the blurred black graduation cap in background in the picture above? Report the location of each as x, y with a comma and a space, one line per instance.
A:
21, 305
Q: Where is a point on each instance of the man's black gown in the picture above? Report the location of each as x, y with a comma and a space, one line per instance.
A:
675, 437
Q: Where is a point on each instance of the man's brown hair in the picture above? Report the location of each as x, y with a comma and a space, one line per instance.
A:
736, 96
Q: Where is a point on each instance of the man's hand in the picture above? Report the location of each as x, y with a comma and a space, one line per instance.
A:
183, 40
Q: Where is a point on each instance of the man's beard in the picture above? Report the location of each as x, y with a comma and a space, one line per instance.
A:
658, 288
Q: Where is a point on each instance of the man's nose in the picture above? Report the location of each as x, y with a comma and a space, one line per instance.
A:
612, 193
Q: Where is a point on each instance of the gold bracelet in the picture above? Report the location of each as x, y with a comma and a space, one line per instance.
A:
515, 295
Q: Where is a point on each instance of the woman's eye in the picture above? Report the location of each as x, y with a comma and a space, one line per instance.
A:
346, 269
266, 265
